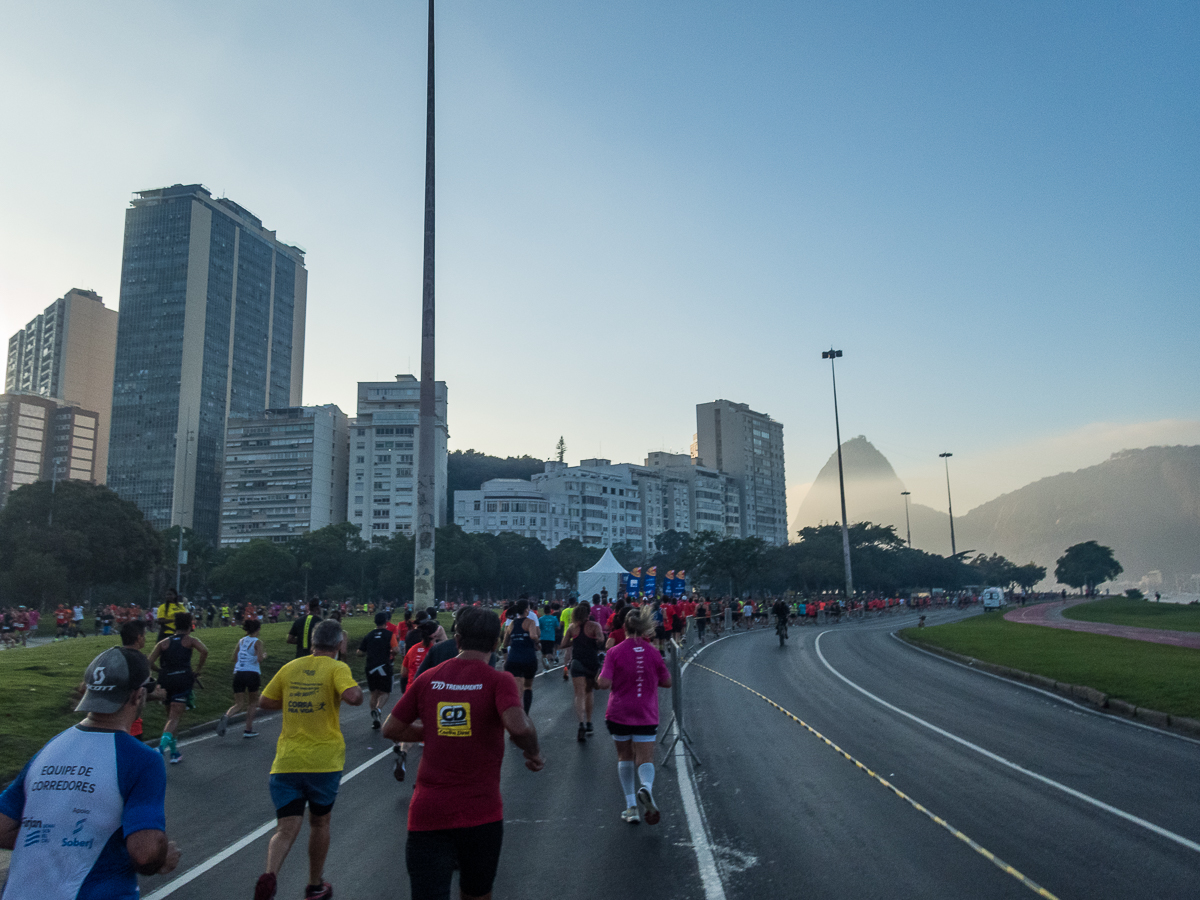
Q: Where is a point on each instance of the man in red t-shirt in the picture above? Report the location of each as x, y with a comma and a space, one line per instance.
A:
456, 816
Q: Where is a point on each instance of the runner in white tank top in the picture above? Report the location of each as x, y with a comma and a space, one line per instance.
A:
247, 678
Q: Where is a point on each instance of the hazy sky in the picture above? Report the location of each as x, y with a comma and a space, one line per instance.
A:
991, 208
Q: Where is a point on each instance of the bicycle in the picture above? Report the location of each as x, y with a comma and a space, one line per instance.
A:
781, 631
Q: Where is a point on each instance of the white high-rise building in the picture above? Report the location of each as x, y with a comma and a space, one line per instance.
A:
748, 445
383, 457
595, 502
285, 473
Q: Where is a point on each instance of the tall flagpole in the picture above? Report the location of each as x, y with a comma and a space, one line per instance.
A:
423, 571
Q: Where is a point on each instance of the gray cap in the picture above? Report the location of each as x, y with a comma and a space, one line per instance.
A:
110, 682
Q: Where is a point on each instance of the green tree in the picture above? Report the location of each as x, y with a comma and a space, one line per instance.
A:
92, 534
34, 579
560, 449
1028, 575
259, 571
993, 571
1087, 565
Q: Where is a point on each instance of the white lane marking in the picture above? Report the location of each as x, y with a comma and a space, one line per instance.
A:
1053, 696
1050, 782
710, 877
217, 858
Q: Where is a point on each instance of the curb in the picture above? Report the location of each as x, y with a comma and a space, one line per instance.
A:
1077, 692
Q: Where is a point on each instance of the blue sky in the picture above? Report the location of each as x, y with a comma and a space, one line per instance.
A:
993, 209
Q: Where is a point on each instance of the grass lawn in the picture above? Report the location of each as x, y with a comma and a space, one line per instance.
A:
1138, 613
38, 681
1155, 676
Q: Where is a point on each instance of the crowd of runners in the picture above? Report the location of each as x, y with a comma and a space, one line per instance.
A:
456, 700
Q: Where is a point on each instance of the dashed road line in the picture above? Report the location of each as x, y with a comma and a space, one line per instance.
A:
995, 757
978, 848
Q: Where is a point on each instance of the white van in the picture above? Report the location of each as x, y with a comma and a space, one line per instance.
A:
993, 598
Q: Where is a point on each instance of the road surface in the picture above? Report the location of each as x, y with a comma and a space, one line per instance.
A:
965, 786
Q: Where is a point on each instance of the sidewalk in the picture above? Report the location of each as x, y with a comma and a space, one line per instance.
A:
1050, 615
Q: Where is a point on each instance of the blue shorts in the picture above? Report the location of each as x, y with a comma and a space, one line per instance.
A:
290, 790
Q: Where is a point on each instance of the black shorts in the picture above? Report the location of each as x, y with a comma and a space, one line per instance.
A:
616, 729
246, 681
660, 633
432, 857
177, 685
520, 668
581, 671
378, 682
548, 647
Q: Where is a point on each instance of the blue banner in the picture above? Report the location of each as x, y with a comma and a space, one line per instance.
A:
651, 580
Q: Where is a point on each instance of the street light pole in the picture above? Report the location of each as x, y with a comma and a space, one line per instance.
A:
907, 523
831, 355
949, 502
424, 586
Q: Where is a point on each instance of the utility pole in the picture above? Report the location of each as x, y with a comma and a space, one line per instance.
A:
424, 586
831, 355
179, 550
907, 523
949, 502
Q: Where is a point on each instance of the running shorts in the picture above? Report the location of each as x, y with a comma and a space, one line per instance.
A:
249, 682
660, 633
622, 731
432, 857
177, 685
378, 682
291, 790
519, 668
548, 647
580, 671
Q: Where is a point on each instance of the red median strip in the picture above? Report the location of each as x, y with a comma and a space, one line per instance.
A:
1049, 615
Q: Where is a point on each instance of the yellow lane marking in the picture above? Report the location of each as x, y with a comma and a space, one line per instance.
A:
982, 851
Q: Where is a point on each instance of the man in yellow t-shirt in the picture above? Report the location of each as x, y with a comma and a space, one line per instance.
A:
310, 755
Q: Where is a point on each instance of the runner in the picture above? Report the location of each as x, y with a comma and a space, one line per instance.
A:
309, 757
408, 673
548, 632
456, 815
248, 658
521, 639
634, 671
60, 854
584, 638
302, 629
701, 619
565, 618
177, 678
379, 647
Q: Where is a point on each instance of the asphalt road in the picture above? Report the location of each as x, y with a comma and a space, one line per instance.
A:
1081, 804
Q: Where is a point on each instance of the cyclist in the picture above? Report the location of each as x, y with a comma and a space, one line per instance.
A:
780, 611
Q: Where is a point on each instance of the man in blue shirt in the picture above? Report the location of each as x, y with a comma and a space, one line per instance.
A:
87, 813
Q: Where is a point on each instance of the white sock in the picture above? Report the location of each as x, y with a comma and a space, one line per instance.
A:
646, 774
625, 773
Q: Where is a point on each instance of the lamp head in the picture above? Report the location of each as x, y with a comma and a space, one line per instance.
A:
944, 455
830, 354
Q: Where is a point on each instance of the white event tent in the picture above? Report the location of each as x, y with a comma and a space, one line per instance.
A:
606, 573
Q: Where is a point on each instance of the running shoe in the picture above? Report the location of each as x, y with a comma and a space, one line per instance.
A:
264, 889
176, 757
249, 734
582, 735
222, 726
645, 801
631, 816
322, 891
401, 759
588, 727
